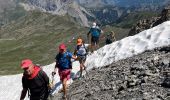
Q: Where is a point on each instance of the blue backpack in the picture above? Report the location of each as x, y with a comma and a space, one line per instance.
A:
64, 60
95, 32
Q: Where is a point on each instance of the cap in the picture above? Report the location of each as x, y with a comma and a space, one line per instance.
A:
62, 46
79, 41
94, 24
25, 63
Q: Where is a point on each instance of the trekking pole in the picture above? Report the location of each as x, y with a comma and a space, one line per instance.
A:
51, 87
52, 78
52, 81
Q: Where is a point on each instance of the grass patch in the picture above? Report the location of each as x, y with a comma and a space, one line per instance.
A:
37, 36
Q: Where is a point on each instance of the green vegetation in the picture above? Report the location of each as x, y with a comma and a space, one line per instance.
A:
37, 36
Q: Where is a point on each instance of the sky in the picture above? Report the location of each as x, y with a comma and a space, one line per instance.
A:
10, 85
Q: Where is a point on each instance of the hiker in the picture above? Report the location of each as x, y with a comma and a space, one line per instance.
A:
95, 34
110, 38
35, 81
64, 66
81, 53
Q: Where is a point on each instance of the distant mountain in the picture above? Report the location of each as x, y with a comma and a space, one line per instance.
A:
96, 3
113, 11
83, 11
123, 3
59, 7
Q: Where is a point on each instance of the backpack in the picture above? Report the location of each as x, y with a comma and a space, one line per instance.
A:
78, 47
95, 32
64, 61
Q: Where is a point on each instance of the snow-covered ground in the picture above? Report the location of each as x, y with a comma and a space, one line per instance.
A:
10, 86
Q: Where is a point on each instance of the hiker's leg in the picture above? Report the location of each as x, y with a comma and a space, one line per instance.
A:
83, 61
81, 69
97, 42
92, 44
65, 86
82, 64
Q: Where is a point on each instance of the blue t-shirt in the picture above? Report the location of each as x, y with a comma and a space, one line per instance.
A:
64, 60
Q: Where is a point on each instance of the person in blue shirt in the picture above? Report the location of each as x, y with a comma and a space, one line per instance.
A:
95, 32
64, 65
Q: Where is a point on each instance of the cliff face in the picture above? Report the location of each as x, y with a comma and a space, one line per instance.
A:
143, 77
149, 23
59, 7
106, 11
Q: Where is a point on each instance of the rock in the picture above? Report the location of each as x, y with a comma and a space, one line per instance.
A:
149, 23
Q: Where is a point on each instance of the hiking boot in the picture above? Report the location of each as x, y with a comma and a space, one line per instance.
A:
84, 68
61, 90
79, 78
64, 97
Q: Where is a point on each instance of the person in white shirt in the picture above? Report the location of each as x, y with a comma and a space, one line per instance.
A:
81, 53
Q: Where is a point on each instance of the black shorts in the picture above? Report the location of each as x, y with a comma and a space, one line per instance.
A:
82, 59
94, 40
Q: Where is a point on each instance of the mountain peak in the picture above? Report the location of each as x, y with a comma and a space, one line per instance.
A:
58, 7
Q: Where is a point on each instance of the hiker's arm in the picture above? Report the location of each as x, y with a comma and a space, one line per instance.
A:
75, 52
74, 57
114, 38
56, 66
55, 69
23, 93
88, 34
46, 78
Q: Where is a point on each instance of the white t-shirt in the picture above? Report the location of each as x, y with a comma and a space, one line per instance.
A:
82, 49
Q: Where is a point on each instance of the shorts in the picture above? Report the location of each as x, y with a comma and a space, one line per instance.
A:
94, 40
64, 74
82, 59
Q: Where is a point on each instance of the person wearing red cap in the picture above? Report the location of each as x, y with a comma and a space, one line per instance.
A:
64, 66
34, 80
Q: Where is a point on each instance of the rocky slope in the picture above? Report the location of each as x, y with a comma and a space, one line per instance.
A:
149, 23
143, 77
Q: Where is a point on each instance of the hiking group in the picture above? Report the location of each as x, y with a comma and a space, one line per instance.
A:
36, 82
